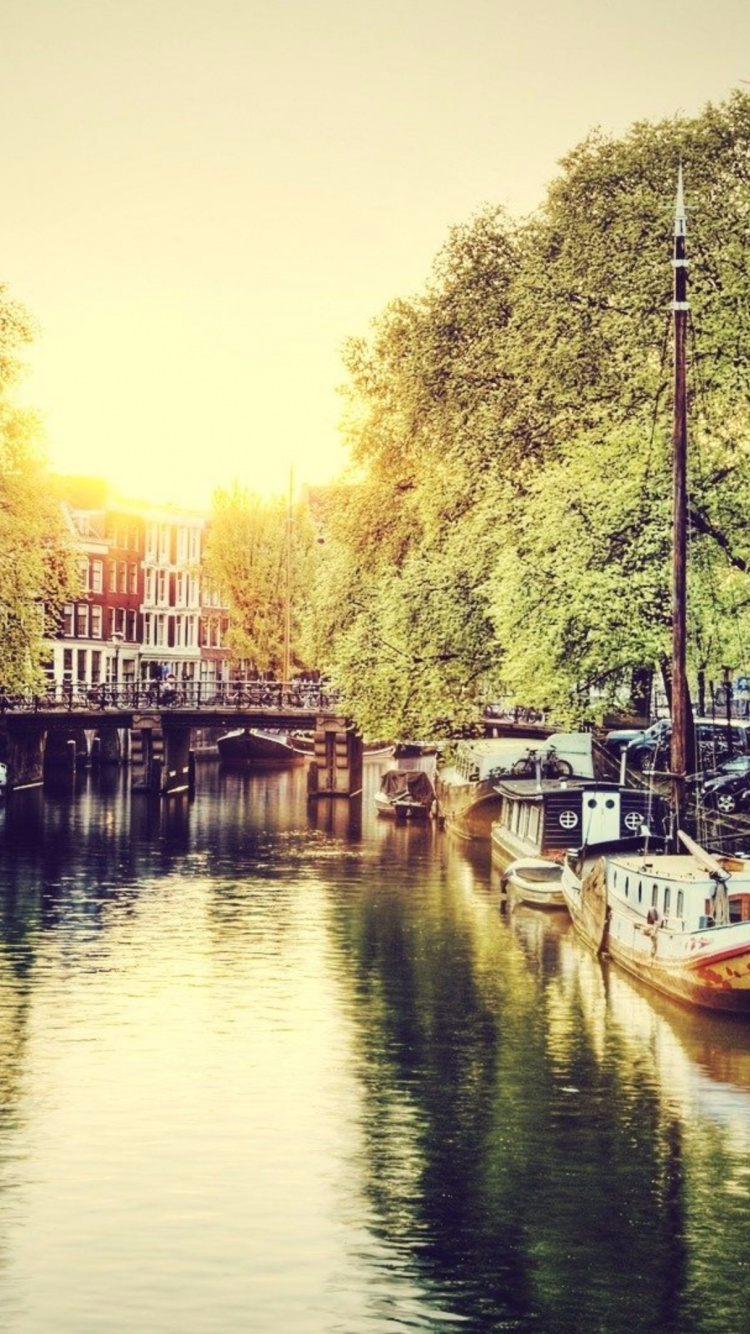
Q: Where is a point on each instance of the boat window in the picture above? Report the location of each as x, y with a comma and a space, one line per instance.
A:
614, 880
534, 824
680, 903
627, 884
640, 891
591, 802
609, 803
667, 900
654, 895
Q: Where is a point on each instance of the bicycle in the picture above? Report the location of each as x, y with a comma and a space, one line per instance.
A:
548, 765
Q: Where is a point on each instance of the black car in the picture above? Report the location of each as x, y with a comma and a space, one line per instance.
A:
729, 790
651, 751
645, 749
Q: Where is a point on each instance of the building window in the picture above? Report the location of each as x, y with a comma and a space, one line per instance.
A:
147, 630
96, 666
148, 593
97, 576
123, 571
113, 576
83, 569
67, 664
96, 622
161, 588
81, 664
67, 619
134, 578
82, 621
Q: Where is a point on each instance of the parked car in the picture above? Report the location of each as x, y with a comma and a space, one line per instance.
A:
615, 741
651, 751
729, 790
652, 741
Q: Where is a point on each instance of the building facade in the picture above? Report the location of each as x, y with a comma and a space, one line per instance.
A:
140, 615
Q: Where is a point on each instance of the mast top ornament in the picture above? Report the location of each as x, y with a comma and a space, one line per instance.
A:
679, 262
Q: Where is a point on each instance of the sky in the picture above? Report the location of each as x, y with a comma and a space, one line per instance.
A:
202, 200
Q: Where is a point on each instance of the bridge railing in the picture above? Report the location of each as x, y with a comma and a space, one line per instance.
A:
130, 695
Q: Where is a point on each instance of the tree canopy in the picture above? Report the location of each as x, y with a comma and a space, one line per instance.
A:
37, 565
506, 523
259, 553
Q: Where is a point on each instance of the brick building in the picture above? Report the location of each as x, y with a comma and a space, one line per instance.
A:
142, 612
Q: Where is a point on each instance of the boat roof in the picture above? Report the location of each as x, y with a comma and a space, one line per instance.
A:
677, 866
533, 789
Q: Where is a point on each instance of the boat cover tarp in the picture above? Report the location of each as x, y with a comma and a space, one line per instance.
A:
407, 783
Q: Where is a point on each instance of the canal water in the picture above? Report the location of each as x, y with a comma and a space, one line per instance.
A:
267, 1069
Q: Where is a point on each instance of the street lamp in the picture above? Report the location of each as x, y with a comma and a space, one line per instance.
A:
117, 638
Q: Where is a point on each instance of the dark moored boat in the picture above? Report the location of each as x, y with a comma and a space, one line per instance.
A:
252, 745
405, 793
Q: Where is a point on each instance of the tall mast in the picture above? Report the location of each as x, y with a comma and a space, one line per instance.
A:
680, 695
287, 668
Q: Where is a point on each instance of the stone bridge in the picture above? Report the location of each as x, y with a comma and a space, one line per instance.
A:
156, 740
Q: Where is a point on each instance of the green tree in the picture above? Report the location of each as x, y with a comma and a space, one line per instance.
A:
580, 591
402, 619
37, 563
507, 519
259, 553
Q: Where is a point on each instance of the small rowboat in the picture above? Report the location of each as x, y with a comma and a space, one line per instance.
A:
536, 881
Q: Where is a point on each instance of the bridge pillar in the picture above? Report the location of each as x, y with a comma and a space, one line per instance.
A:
62, 743
336, 769
109, 750
25, 756
176, 774
146, 752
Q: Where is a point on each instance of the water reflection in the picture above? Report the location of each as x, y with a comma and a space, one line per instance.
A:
267, 1066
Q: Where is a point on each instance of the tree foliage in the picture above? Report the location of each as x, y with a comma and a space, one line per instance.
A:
506, 524
37, 564
259, 553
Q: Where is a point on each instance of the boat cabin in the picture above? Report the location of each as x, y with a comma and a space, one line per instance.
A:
546, 818
673, 890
